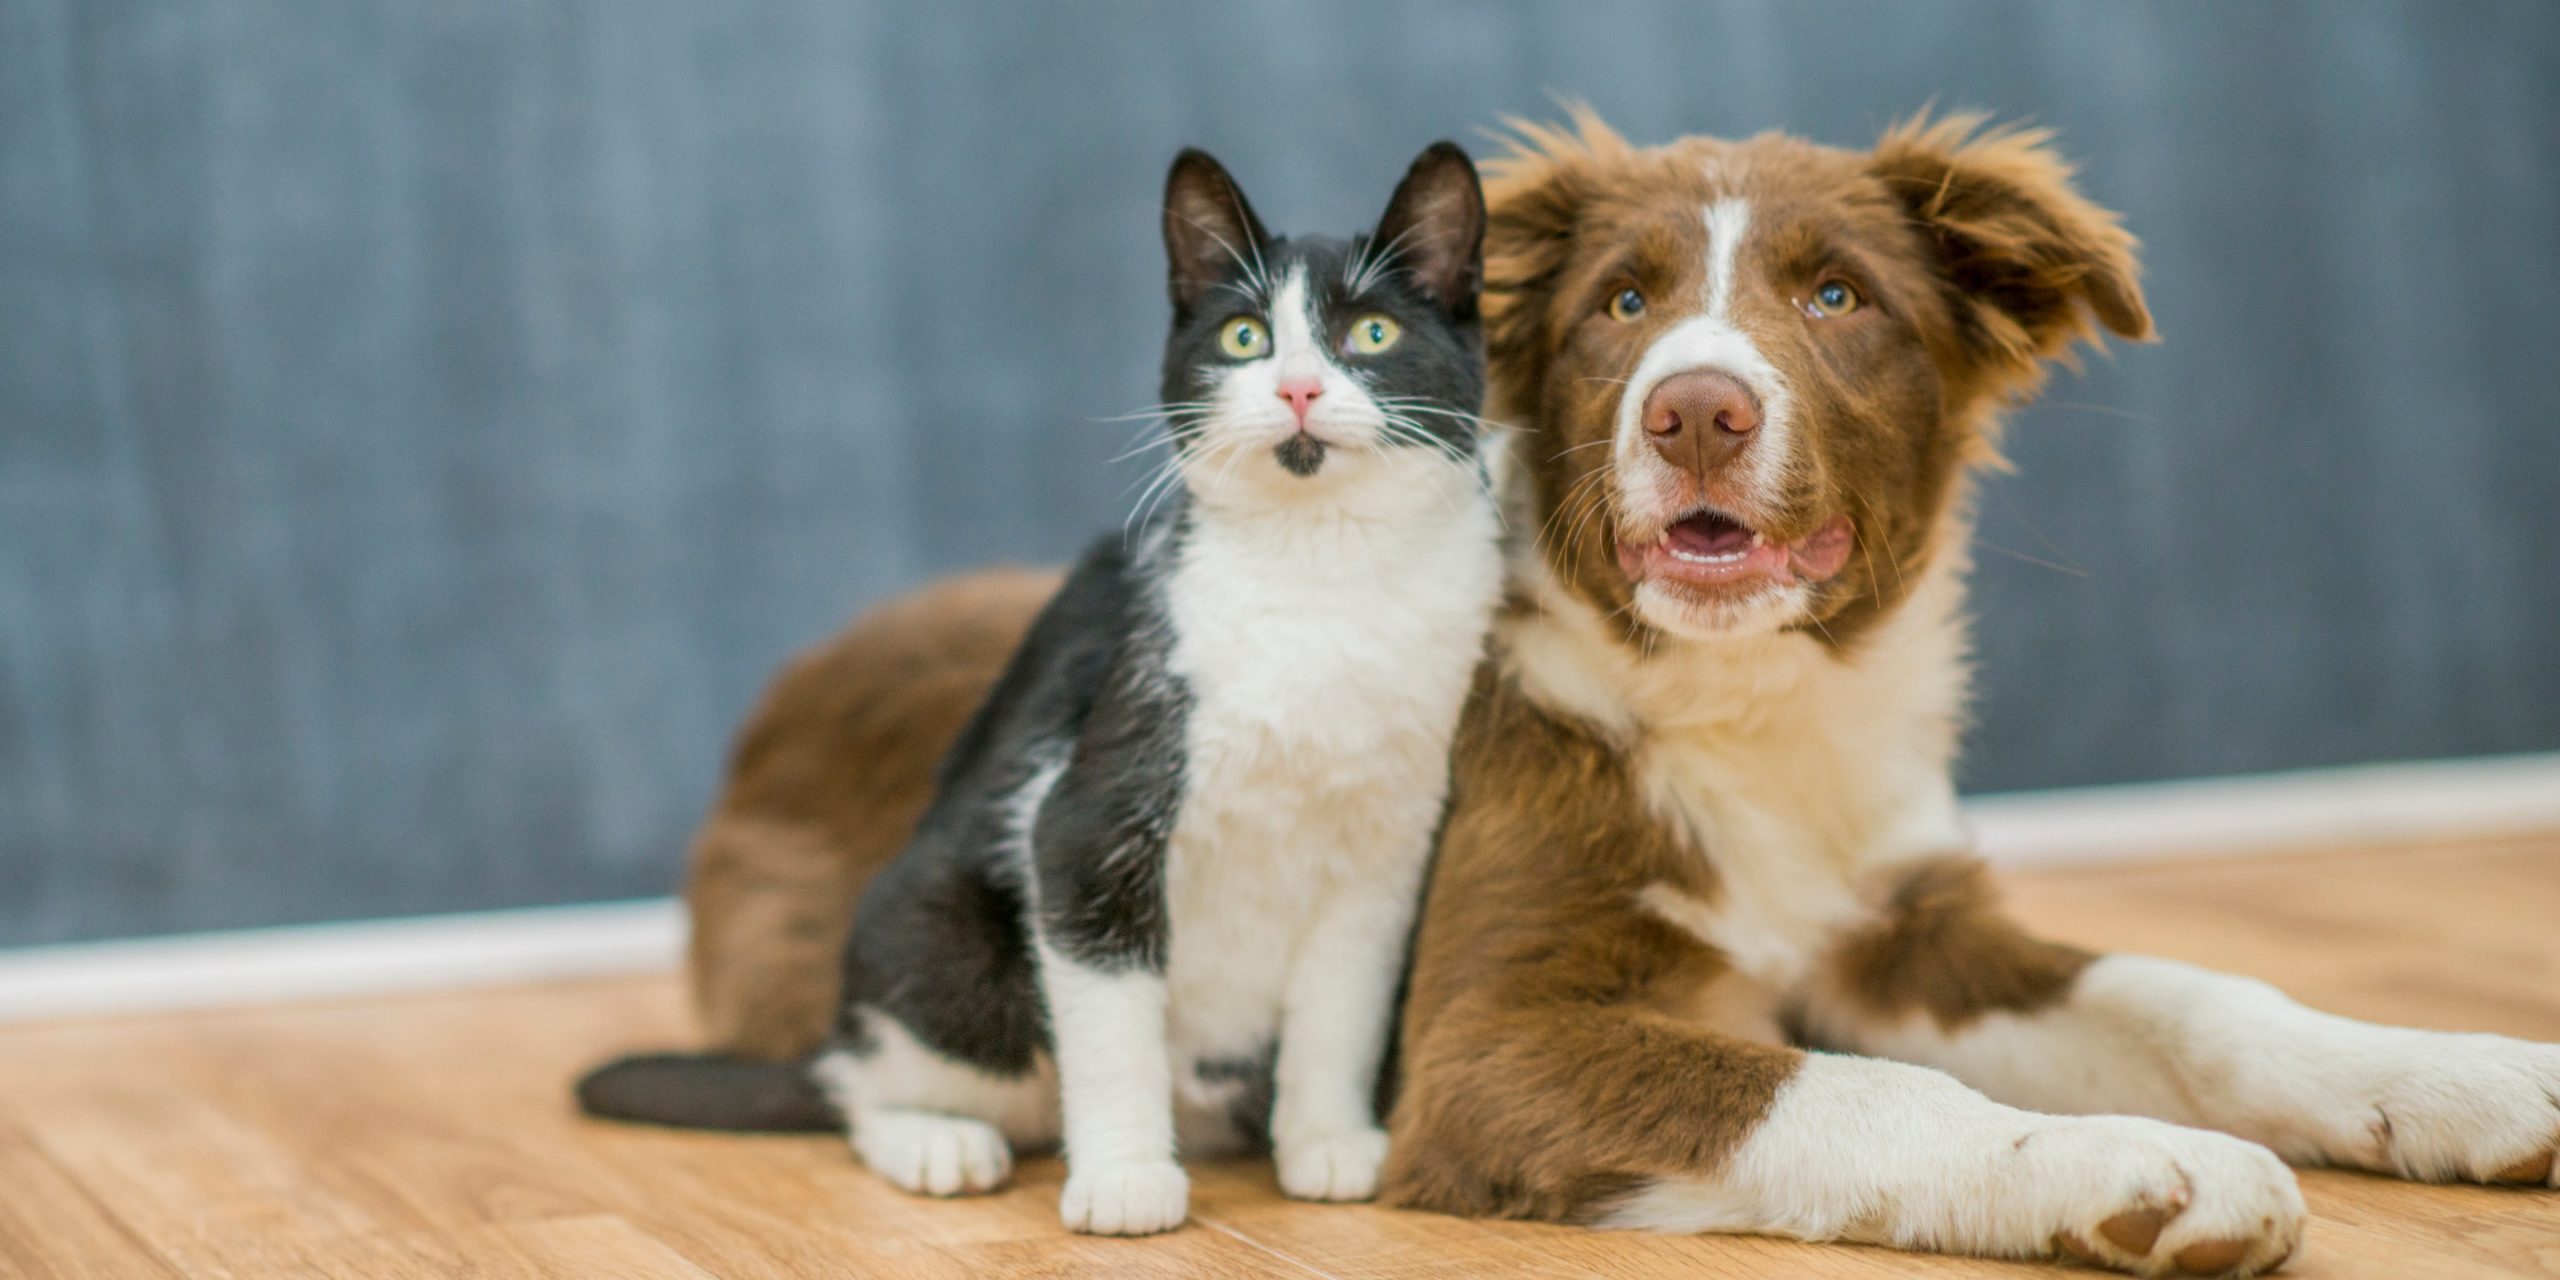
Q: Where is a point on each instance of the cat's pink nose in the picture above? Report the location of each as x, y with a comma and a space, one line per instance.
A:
1301, 394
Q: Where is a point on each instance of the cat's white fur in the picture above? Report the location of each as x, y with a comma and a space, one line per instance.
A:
1327, 628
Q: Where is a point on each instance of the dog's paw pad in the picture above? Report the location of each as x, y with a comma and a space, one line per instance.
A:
2459, 1108
2136, 1230
2532, 1171
2214, 1257
2170, 1201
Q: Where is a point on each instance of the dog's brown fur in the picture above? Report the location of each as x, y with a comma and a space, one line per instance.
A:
1545, 1029
826, 782
1545, 1074
1979, 260
1562, 1043
1943, 945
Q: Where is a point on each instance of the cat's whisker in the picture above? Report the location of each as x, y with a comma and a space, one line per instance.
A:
1416, 404
1372, 260
1252, 270
1169, 409
1146, 446
1160, 485
1413, 433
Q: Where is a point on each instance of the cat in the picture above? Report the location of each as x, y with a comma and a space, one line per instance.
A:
1162, 898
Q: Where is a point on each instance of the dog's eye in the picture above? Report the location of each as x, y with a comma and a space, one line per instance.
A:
1372, 334
1833, 299
1243, 337
1626, 305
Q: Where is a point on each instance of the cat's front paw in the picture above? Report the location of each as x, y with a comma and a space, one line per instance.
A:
1125, 1199
1333, 1166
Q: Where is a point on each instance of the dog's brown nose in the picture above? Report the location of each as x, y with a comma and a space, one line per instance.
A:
1700, 419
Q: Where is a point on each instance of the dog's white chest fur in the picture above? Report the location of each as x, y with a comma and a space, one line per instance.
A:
1798, 772
1327, 660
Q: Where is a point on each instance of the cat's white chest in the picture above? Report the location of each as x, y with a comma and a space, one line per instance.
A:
1326, 678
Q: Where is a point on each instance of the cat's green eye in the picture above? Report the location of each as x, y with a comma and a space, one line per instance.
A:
1626, 305
1244, 338
1372, 334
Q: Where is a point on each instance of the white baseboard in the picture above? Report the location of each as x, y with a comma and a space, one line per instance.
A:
325, 961
2271, 812
2221, 816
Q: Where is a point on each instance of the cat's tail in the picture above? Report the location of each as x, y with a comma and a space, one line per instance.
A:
708, 1091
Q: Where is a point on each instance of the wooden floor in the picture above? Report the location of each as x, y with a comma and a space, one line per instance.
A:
432, 1136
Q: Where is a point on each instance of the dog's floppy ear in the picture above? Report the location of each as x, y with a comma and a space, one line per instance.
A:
2029, 262
1536, 192
1208, 227
1434, 228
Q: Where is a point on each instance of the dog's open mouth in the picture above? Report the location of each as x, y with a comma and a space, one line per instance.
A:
1711, 549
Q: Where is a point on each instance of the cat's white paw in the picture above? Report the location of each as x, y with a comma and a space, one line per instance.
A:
1125, 1199
1333, 1166
932, 1153
2441, 1107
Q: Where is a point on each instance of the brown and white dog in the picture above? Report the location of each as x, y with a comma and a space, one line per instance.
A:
1705, 949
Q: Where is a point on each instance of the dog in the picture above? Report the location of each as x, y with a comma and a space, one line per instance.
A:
1705, 948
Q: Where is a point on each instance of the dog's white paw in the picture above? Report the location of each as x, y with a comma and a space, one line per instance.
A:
932, 1153
1125, 1199
2444, 1108
2156, 1199
1333, 1166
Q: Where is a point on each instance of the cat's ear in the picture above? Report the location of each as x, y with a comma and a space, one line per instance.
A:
1434, 228
1208, 227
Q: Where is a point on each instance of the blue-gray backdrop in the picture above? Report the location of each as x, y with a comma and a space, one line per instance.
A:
422, 425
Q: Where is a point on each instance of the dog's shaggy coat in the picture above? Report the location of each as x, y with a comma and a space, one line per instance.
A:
1705, 948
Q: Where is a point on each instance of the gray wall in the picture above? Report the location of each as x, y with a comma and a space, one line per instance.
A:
421, 425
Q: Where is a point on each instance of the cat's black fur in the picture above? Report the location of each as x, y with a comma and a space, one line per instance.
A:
940, 942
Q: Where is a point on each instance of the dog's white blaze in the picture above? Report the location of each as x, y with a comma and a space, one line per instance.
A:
1886, 1153
1728, 220
1650, 489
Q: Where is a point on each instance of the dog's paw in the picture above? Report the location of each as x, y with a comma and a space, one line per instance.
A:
2155, 1199
1333, 1166
1125, 1199
931, 1153
2459, 1108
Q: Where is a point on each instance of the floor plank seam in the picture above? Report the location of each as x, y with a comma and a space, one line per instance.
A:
1250, 1242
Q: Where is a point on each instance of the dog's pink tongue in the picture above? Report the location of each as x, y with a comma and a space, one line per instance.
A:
1821, 553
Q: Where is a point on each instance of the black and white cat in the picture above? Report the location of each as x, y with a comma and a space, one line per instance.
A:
1162, 899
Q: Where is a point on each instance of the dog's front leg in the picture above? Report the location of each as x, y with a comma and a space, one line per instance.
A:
1621, 1116
1946, 980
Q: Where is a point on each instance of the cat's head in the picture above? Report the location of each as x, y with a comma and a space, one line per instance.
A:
1298, 362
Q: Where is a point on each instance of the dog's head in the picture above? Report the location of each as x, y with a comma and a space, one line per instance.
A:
1754, 371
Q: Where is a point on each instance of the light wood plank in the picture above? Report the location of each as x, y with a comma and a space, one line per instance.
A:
432, 1135
53, 1229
